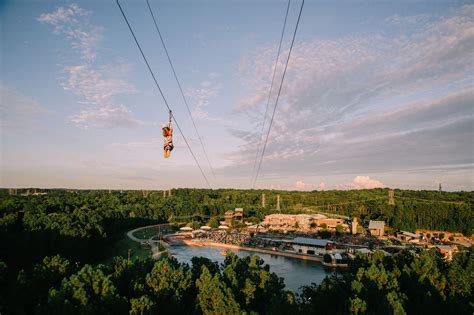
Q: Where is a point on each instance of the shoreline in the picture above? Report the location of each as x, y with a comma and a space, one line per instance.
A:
252, 249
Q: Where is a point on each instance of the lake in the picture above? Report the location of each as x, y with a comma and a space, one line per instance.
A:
295, 272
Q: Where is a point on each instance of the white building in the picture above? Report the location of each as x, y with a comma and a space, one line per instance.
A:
311, 246
377, 228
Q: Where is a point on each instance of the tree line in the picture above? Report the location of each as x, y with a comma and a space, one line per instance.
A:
51, 245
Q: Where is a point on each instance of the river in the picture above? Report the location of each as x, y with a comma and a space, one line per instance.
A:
295, 272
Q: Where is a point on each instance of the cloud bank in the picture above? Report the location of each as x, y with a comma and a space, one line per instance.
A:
367, 104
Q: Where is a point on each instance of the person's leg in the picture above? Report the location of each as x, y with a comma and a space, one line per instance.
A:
164, 154
168, 153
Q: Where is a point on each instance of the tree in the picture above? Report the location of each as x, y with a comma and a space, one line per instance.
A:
142, 305
324, 234
339, 229
171, 284
323, 226
89, 291
327, 258
195, 225
213, 223
213, 295
33, 286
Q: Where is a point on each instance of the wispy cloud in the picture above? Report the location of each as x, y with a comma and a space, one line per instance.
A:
407, 20
72, 22
95, 82
93, 85
105, 117
201, 98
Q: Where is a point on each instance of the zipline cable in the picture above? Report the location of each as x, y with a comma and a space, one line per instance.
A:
278, 95
270, 91
161, 92
179, 86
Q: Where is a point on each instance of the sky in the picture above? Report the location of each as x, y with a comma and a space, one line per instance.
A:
377, 94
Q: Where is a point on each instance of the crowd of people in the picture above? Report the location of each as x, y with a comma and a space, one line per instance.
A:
233, 238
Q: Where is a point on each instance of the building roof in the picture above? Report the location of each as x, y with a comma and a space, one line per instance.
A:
364, 250
309, 241
239, 209
414, 235
378, 225
205, 227
229, 212
318, 216
186, 228
223, 227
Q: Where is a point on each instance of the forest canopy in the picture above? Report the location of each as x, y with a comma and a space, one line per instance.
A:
52, 247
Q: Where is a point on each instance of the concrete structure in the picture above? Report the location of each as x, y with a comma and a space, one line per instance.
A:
391, 197
300, 221
228, 217
376, 228
354, 226
330, 222
231, 217
239, 215
409, 237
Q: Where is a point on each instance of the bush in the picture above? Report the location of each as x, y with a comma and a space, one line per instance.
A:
327, 258
324, 234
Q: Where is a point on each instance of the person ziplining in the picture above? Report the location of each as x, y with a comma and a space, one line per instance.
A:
168, 135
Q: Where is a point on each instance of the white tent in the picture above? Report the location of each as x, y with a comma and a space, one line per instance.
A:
223, 227
186, 228
205, 227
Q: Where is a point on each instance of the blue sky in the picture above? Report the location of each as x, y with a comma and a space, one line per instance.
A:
376, 94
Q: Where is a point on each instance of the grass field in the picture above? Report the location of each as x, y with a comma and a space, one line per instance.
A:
121, 247
146, 233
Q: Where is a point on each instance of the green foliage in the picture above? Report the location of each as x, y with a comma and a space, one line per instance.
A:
404, 283
324, 234
195, 225
89, 291
142, 305
170, 282
82, 226
213, 223
214, 297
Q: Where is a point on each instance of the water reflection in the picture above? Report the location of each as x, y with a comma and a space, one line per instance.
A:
296, 273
